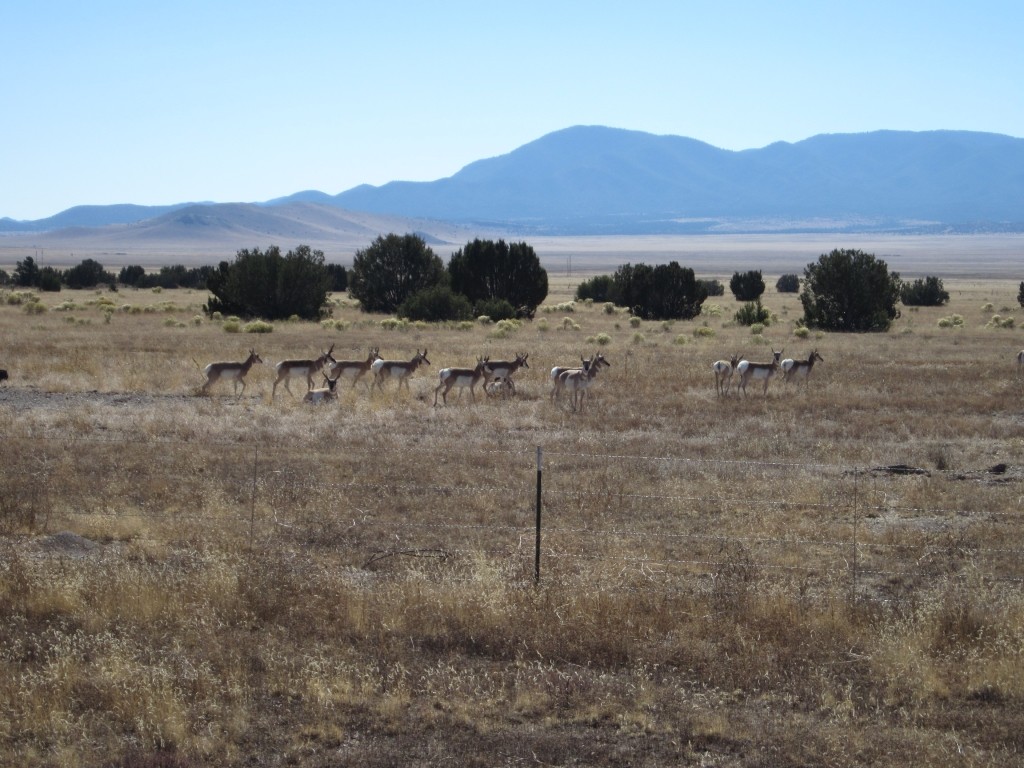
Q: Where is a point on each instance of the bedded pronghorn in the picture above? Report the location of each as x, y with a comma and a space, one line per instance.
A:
758, 371
558, 373
354, 369
233, 372
397, 369
723, 373
800, 369
504, 369
323, 394
301, 369
461, 378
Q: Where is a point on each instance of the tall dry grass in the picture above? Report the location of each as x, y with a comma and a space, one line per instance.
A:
724, 580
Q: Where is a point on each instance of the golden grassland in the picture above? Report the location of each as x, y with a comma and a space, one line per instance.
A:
736, 581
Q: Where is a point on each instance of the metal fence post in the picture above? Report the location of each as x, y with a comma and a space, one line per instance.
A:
536, 553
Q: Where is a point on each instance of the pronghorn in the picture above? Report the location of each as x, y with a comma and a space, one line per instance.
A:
300, 369
498, 386
323, 394
578, 382
558, 372
354, 369
461, 378
800, 369
758, 371
235, 372
1020, 361
503, 369
396, 369
723, 373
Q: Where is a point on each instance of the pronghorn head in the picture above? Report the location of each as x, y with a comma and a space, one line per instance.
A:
735, 360
599, 360
326, 357
815, 356
374, 354
521, 360
254, 358
331, 383
421, 357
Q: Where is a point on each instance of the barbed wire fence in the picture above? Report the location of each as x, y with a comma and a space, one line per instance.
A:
549, 514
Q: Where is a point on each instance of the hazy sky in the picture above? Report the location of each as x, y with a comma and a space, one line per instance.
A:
157, 103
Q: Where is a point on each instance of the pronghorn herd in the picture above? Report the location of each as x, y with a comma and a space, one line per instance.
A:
494, 376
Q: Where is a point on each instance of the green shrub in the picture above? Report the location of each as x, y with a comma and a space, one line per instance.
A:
924, 293
788, 284
496, 309
258, 326
438, 303
753, 313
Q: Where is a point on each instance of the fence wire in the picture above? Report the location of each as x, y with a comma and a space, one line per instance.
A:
663, 519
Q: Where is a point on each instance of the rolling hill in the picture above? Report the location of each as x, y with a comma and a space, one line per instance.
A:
588, 180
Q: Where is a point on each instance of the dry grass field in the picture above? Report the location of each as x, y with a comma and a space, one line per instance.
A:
825, 574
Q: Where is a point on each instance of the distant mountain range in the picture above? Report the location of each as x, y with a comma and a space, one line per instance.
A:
598, 180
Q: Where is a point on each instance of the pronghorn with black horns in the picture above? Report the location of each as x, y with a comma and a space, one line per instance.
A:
354, 369
800, 369
233, 372
323, 394
397, 369
504, 369
301, 369
461, 378
558, 373
758, 371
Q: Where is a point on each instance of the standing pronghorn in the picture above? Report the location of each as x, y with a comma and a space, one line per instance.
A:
579, 381
233, 372
354, 369
758, 371
461, 378
559, 372
800, 369
1020, 361
300, 369
503, 369
723, 373
396, 369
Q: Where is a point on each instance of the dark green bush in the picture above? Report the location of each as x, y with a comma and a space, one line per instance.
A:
753, 312
436, 304
788, 284
924, 293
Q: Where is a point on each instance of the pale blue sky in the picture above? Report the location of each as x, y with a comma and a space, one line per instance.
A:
157, 103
